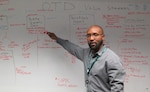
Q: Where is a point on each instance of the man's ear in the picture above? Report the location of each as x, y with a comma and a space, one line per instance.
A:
103, 37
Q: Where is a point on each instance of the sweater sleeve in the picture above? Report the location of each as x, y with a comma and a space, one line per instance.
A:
71, 48
116, 74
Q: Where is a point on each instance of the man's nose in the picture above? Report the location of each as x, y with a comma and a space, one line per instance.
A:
91, 38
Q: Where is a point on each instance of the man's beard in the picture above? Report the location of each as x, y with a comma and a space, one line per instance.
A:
96, 47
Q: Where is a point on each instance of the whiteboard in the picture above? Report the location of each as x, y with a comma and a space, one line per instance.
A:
31, 62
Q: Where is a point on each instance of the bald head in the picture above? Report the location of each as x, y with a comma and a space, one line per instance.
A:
95, 37
99, 28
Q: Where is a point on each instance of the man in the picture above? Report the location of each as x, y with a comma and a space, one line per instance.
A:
104, 71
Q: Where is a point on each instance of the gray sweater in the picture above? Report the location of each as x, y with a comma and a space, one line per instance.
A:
107, 73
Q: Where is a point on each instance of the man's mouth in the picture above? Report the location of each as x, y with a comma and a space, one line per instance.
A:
93, 44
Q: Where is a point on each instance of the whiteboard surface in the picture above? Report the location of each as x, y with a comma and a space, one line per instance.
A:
31, 62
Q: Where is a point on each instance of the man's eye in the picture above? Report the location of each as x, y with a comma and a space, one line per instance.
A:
88, 35
95, 34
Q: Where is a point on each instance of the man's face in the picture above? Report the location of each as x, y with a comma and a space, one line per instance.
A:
95, 38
